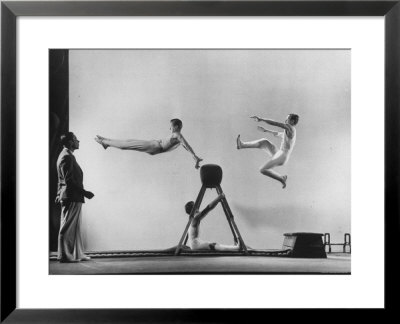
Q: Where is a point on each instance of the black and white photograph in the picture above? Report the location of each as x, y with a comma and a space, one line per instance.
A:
199, 161
196, 161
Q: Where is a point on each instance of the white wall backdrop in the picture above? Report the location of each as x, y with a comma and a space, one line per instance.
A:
140, 198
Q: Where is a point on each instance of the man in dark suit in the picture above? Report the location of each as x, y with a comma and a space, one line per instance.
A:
71, 195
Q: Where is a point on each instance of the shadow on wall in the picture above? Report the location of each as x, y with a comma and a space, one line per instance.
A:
285, 218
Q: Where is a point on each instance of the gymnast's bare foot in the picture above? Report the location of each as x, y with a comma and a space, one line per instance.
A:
238, 143
238, 245
99, 139
284, 178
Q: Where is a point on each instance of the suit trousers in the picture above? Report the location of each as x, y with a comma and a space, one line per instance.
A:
70, 245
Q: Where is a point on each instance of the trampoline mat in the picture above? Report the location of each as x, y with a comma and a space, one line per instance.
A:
185, 251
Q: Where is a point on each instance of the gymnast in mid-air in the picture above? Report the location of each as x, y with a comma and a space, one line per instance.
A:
279, 156
153, 147
194, 241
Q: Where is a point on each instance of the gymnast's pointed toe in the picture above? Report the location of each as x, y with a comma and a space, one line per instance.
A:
284, 182
99, 140
238, 146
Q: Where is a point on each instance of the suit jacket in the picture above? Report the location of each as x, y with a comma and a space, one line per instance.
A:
70, 178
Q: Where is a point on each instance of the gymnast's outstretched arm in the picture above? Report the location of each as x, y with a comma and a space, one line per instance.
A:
187, 147
272, 122
209, 207
277, 134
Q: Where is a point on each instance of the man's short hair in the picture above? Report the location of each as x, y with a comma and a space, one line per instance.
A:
176, 122
65, 138
189, 207
294, 118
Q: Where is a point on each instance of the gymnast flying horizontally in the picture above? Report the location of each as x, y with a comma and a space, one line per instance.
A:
278, 156
153, 147
194, 241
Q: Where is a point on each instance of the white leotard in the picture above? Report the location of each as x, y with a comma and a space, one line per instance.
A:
287, 143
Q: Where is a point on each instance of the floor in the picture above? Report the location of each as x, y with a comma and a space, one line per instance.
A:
334, 264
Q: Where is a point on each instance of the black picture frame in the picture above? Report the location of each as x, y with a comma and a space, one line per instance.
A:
10, 10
